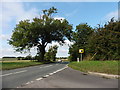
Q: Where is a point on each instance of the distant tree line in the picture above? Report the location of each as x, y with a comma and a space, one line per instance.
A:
49, 56
100, 43
62, 57
8, 57
28, 57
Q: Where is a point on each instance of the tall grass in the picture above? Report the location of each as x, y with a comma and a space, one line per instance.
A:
109, 67
13, 64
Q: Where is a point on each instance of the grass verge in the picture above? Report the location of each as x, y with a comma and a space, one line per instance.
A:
7, 65
109, 67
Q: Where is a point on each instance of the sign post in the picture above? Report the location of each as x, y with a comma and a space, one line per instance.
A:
81, 56
78, 60
81, 51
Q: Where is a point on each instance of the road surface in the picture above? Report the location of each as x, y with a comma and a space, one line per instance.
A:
54, 76
21, 76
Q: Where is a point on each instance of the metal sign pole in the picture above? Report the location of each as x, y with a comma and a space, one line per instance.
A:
81, 56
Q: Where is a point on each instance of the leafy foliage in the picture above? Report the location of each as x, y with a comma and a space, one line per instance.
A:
80, 38
51, 54
40, 32
101, 43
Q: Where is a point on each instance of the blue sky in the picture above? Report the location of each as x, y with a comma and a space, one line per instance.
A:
92, 13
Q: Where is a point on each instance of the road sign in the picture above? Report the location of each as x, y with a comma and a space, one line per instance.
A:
81, 50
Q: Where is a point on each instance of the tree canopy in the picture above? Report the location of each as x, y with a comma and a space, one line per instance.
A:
101, 43
39, 32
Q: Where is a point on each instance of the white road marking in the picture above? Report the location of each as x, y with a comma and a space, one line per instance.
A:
46, 76
50, 73
60, 70
39, 79
6, 74
20, 72
13, 73
30, 82
48, 66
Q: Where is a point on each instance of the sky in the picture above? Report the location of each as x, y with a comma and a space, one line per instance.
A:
91, 12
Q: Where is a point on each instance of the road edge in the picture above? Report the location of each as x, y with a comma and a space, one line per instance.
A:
104, 75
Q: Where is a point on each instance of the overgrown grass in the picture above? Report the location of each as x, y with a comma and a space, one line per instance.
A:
109, 67
6, 65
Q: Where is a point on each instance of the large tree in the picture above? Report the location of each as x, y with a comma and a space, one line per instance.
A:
80, 37
105, 42
39, 32
100, 43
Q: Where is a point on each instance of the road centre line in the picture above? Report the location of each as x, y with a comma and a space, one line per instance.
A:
20, 71
51, 73
49, 66
6, 74
38, 79
13, 73
46, 66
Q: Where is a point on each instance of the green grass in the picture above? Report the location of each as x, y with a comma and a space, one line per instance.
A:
109, 67
18, 64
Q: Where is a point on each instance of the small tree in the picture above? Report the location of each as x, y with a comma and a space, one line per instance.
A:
51, 54
28, 57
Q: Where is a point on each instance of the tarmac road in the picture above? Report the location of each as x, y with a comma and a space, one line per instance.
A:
21, 76
54, 76
70, 78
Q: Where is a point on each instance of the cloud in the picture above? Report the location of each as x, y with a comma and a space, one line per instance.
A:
4, 36
62, 49
71, 13
59, 18
67, 42
9, 51
111, 15
15, 11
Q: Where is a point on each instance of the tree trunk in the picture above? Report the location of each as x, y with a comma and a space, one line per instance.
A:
41, 52
54, 57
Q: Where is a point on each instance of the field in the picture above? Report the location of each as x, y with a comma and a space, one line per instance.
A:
7, 64
109, 67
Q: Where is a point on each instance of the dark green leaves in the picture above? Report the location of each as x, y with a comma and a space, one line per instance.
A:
40, 31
